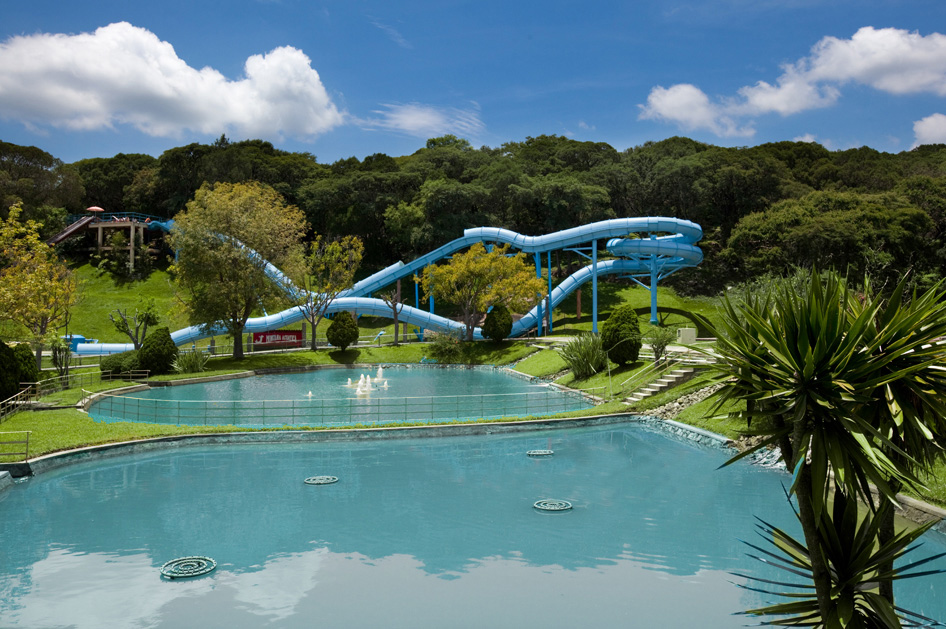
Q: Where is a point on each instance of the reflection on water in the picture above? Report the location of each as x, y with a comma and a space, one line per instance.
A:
437, 532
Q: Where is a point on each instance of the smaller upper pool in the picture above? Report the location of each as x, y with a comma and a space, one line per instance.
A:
342, 397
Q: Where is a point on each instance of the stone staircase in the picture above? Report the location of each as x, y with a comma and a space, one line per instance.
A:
666, 381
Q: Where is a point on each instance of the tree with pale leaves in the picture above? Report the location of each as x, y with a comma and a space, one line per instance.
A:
477, 279
328, 269
37, 289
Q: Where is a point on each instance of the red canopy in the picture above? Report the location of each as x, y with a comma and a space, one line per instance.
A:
94, 208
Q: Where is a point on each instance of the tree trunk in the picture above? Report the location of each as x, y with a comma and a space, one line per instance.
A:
238, 345
885, 534
819, 571
312, 343
39, 358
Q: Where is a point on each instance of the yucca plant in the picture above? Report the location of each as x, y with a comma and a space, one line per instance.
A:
844, 383
857, 565
584, 355
191, 362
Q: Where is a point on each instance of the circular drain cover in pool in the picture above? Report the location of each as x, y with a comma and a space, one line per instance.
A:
321, 480
540, 452
553, 505
187, 567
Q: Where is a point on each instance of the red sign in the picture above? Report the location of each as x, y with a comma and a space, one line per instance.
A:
277, 339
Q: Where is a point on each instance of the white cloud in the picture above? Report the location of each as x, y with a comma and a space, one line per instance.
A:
392, 33
891, 60
124, 75
930, 130
808, 137
427, 121
687, 106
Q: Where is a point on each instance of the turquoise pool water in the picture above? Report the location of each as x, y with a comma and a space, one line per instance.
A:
332, 397
416, 533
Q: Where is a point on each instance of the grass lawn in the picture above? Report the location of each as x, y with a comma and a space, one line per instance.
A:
542, 364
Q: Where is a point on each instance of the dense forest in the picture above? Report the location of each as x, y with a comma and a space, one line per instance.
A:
763, 209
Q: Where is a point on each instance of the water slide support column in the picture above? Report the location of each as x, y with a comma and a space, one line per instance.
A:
417, 303
653, 285
538, 274
594, 286
550, 290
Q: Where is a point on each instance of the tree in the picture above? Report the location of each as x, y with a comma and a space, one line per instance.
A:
393, 301
343, 331
225, 240
37, 289
659, 338
850, 387
328, 269
621, 335
477, 279
135, 327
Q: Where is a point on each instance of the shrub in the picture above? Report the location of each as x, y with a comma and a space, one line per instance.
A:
158, 352
446, 347
659, 338
343, 331
61, 352
26, 361
191, 362
621, 335
584, 355
119, 363
498, 323
9, 372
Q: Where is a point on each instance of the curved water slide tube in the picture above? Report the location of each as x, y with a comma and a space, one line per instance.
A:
654, 256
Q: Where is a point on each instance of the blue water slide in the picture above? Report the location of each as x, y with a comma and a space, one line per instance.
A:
656, 256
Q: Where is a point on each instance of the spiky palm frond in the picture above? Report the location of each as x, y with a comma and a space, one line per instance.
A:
857, 563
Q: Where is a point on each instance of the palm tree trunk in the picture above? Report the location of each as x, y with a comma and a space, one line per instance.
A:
819, 570
885, 534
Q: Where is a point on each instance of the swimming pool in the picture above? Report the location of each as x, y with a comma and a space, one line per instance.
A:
416, 533
340, 397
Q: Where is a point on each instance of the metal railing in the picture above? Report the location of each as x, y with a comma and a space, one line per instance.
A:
24, 443
22, 400
82, 379
335, 412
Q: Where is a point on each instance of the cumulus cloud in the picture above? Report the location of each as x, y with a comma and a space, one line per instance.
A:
124, 75
930, 130
891, 60
426, 121
689, 108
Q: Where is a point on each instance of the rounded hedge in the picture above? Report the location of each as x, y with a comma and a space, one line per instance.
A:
498, 323
158, 353
621, 335
9, 372
27, 363
119, 363
343, 331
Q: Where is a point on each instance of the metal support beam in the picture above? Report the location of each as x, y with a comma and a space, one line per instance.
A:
550, 289
594, 286
538, 274
653, 286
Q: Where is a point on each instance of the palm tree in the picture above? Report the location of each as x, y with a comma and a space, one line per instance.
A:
850, 387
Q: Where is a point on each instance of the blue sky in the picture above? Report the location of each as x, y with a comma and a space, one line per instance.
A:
339, 78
